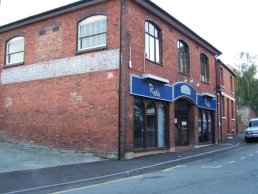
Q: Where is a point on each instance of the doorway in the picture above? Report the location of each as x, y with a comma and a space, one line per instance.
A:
181, 123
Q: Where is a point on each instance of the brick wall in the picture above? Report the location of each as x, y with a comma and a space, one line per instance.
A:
135, 17
60, 97
228, 120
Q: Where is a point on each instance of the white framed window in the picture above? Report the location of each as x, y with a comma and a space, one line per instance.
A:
15, 50
152, 42
204, 68
92, 32
183, 57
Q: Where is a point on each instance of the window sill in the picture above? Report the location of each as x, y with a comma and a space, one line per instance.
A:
207, 83
224, 118
160, 64
188, 75
13, 65
233, 119
90, 50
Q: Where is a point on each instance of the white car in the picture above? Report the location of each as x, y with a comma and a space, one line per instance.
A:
252, 130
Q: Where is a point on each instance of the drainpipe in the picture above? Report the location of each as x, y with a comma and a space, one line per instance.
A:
217, 90
219, 120
122, 81
119, 81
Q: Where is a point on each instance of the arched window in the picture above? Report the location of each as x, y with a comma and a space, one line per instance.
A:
152, 42
138, 124
183, 57
204, 68
92, 32
15, 50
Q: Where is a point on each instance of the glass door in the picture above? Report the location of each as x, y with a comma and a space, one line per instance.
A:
181, 128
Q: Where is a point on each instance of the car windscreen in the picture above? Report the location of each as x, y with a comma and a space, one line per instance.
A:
253, 124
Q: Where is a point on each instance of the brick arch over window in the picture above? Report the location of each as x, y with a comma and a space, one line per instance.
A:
92, 32
183, 57
153, 42
15, 50
204, 61
92, 13
15, 34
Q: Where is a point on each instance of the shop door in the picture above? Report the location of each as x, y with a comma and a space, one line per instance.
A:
181, 127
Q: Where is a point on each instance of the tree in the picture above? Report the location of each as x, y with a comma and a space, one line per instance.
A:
246, 81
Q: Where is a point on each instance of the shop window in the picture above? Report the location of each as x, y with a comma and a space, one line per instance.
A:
161, 125
183, 57
138, 123
15, 51
149, 124
92, 33
205, 126
152, 42
204, 68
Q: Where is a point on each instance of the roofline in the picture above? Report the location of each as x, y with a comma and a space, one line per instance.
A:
226, 67
84, 3
47, 14
149, 5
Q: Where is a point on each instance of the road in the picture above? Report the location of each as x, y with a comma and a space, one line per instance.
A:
234, 171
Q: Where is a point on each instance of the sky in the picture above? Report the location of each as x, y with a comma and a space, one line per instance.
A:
230, 26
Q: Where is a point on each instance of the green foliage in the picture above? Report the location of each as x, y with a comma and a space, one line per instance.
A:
246, 81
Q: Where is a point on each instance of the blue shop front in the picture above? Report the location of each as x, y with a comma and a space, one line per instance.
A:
193, 118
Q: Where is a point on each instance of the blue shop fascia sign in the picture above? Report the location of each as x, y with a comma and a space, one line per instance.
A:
166, 92
150, 89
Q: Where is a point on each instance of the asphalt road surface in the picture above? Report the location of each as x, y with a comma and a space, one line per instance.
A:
234, 171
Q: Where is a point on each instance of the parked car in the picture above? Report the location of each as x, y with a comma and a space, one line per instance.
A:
251, 131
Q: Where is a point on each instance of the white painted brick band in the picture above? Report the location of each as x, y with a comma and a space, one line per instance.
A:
92, 62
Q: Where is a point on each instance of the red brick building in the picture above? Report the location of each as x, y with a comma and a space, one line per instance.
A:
226, 101
119, 78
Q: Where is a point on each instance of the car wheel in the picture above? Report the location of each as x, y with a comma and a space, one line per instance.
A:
247, 140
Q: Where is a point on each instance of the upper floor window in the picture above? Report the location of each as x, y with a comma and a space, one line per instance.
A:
231, 84
92, 32
152, 42
183, 57
15, 50
221, 77
204, 68
222, 106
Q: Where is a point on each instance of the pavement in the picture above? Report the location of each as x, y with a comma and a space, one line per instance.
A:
48, 170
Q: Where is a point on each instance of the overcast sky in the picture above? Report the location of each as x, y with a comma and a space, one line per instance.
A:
230, 26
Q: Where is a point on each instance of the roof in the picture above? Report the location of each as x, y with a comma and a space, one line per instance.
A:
149, 5
219, 62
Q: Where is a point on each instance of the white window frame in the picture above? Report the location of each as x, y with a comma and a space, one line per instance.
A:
204, 60
92, 21
19, 50
153, 50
